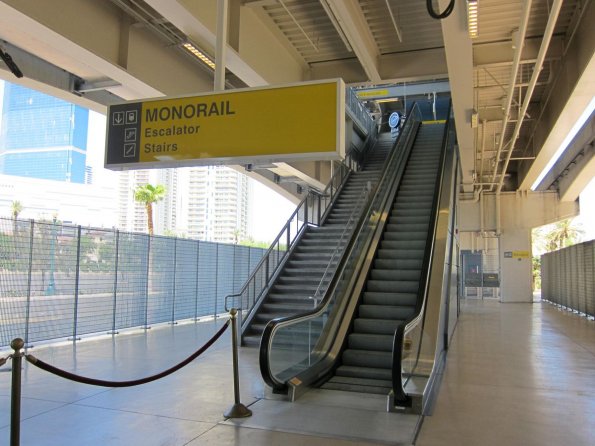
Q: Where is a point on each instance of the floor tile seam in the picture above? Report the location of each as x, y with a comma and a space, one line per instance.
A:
136, 412
201, 434
41, 413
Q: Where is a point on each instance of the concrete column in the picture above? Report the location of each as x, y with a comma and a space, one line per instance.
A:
515, 265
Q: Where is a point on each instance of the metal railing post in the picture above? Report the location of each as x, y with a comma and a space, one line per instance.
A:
15, 393
238, 410
147, 283
29, 280
173, 303
196, 284
115, 299
76, 284
216, 278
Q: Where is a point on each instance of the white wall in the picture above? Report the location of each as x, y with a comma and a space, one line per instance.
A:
519, 213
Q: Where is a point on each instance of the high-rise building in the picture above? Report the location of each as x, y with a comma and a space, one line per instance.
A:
205, 203
42, 137
214, 204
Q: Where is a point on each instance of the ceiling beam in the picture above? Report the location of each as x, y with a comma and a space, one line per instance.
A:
499, 54
352, 23
190, 25
459, 59
569, 96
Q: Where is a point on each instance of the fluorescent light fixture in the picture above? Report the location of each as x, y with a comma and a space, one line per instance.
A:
472, 23
198, 54
571, 134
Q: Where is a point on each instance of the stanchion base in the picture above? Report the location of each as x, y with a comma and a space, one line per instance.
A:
237, 411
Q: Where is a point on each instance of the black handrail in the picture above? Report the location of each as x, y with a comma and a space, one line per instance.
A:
400, 395
274, 324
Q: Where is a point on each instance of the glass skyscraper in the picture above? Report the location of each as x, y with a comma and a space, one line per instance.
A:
42, 136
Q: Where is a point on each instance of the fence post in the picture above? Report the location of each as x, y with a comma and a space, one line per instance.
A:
115, 301
76, 284
288, 235
216, 277
238, 410
197, 276
15, 393
29, 279
147, 283
173, 303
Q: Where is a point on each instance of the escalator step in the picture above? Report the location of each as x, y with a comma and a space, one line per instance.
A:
367, 358
395, 274
403, 244
388, 286
394, 254
406, 235
376, 326
403, 264
365, 341
385, 311
364, 388
364, 372
376, 298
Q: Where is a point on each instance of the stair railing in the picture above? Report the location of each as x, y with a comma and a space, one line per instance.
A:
308, 359
341, 244
408, 335
310, 211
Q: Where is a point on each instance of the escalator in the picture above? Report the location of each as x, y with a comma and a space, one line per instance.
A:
312, 261
366, 362
369, 328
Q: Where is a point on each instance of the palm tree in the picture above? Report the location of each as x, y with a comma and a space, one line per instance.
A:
149, 194
563, 234
16, 208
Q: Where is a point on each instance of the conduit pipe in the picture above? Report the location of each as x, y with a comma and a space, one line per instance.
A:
513, 75
545, 43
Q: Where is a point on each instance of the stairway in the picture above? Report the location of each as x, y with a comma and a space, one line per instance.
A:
302, 273
391, 290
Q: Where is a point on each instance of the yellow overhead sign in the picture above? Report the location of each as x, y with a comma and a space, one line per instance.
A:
372, 93
297, 122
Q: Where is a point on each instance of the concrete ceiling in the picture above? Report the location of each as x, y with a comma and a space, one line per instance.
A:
97, 53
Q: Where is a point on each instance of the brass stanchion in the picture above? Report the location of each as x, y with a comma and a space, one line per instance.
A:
15, 393
238, 410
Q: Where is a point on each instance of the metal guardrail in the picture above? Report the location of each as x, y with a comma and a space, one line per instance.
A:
359, 112
63, 281
568, 278
311, 211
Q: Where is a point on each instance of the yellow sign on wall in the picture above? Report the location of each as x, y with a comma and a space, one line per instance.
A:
296, 122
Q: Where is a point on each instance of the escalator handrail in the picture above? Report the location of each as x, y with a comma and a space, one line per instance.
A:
417, 317
278, 323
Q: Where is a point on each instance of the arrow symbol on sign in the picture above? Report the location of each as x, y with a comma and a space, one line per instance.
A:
118, 119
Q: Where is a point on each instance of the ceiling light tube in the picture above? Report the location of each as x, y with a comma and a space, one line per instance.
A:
472, 19
567, 140
198, 54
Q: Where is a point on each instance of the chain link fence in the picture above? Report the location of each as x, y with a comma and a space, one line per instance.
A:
64, 281
568, 278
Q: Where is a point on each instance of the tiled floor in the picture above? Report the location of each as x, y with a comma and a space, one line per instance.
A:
516, 374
